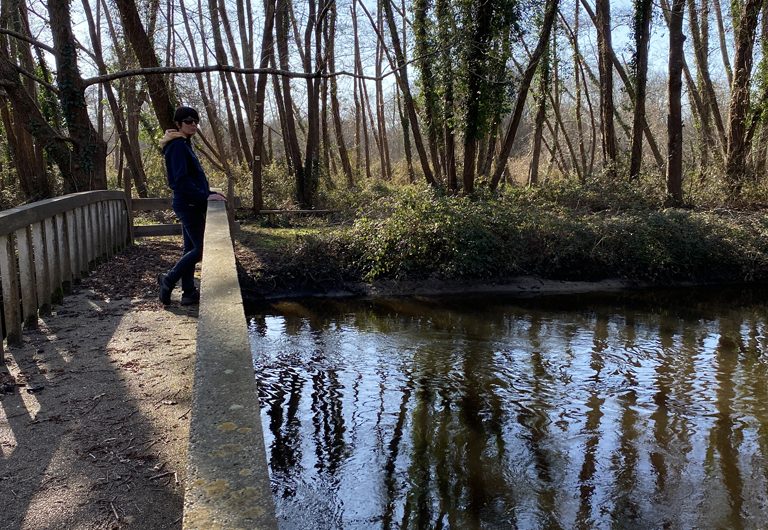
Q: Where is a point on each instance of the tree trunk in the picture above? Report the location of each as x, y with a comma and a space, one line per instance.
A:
386, 169
550, 11
406, 137
643, 11
67, 154
735, 164
335, 107
759, 120
423, 27
479, 36
361, 127
162, 102
291, 140
675, 117
410, 107
700, 37
577, 84
724, 53
605, 49
131, 148
312, 152
26, 154
541, 112
257, 171
88, 170
660, 162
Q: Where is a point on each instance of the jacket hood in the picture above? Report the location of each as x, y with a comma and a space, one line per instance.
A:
170, 135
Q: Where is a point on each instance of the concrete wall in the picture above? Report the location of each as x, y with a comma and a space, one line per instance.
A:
228, 479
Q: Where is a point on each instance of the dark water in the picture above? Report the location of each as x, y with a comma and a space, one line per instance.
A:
620, 411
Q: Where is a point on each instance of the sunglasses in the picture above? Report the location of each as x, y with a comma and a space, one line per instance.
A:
190, 121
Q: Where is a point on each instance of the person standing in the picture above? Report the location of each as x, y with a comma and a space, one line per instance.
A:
191, 193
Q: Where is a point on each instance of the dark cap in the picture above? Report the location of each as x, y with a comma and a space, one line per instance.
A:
183, 113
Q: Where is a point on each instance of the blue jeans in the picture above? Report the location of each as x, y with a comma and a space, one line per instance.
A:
193, 228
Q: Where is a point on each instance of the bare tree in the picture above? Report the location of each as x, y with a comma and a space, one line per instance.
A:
144, 49
550, 11
261, 90
605, 48
335, 107
402, 77
642, 31
675, 118
735, 166
724, 53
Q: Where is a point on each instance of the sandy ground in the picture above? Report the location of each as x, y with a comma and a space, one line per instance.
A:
94, 407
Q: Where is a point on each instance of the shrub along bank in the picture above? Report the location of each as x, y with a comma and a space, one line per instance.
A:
585, 233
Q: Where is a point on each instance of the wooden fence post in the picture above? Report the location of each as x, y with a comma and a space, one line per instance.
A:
42, 276
27, 277
10, 284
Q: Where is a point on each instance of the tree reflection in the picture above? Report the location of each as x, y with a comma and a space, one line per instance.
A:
403, 414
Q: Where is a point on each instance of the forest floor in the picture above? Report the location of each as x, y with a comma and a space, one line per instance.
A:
94, 406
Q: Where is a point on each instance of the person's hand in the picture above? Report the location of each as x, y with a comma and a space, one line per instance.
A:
216, 197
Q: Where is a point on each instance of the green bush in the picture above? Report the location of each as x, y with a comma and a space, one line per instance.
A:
419, 234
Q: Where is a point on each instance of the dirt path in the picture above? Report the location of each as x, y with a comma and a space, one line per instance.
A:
94, 408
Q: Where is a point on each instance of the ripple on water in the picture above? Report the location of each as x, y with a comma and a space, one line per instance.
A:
501, 414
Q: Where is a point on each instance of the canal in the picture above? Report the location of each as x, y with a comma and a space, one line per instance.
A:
641, 410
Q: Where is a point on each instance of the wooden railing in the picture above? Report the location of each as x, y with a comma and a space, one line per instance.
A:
47, 245
165, 203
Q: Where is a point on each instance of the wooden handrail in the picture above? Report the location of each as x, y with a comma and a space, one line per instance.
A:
46, 245
21, 216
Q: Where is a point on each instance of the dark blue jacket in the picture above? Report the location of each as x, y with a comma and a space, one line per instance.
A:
185, 174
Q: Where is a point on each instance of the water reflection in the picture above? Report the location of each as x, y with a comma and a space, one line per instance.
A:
621, 411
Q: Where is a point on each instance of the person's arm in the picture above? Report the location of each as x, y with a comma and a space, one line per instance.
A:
176, 164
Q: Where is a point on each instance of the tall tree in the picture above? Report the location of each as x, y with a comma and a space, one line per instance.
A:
642, 32
675, 117
426, 38
291, 139
162, 101
735, 164
543, 87
605, 50
261, 90
88, 167
130, 148
402, 78
335, 106
550, 11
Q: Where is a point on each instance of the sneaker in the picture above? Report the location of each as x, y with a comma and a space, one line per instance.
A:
191, 298
165, 291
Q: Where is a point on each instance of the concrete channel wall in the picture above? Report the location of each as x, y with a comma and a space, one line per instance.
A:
228, 479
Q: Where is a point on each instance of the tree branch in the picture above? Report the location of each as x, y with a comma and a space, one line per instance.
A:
28, 39
227, 68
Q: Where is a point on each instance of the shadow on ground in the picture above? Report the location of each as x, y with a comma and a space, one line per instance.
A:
94, 404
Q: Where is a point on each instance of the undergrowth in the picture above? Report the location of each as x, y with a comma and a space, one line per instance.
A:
568, 232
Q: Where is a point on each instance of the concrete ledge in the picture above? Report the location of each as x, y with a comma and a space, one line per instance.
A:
228, 478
